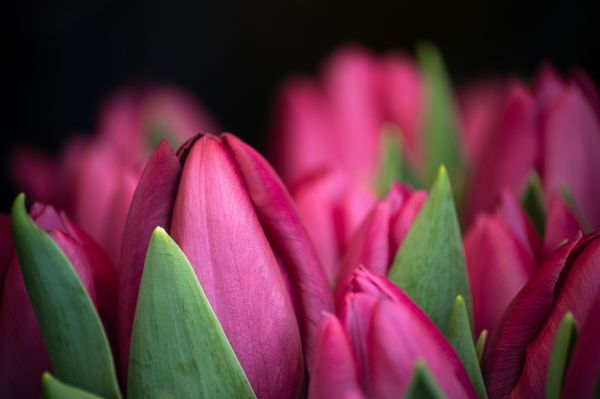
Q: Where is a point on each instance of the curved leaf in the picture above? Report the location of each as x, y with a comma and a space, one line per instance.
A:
480, 345
54, 389
430, 264
178, 347
72, 331
423, 385
533, 203
461, 338
561, 353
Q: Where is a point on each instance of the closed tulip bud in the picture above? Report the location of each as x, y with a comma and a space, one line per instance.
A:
232, 217
371, 347
376, 241
23, 356
516, 360
332, 206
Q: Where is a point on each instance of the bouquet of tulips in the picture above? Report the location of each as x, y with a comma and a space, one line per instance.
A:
411, 240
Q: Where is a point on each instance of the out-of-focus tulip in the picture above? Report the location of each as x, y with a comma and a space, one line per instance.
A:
377, 239
332, 206
554, 128
503, 252
371, 347
516, 360
231, 215
338, 122
23, 356
95, 178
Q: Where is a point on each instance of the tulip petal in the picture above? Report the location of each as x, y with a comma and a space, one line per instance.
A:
505, 351
430, 265
178, 348
287, 235
75, 339
334, 373
216, 225
151, 206
461, 338
561, 351
571, 141
54, 389
562, 224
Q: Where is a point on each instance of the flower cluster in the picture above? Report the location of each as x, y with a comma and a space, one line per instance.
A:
419, 243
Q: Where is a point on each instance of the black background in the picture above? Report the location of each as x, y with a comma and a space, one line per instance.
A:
62, 58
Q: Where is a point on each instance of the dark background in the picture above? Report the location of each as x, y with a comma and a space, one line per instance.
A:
62, 58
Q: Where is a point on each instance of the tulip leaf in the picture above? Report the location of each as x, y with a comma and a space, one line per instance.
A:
430, 264
178, 347
480, 346
54, 389
566, 335
533, 203
392, 163
461, 338
73, 334
441, 126
422, 384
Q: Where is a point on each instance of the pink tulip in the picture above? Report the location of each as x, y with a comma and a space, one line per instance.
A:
95, 177
23, 356
377, 240
503, 252
332, 206
371, 347
231, 215
337, 123
515, 363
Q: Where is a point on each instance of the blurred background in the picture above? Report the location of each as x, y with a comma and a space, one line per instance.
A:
63, 58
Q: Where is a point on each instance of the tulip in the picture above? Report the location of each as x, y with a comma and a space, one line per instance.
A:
337, 123
332, 206
232, 217
503, 252
516, 360
95, 177
370, 348
23, 356
377, 240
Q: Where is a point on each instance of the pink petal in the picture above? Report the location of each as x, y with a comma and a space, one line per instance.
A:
151, 206
584, 367
216, 225
398, 337
334, 374
288, 237
509, 154
575, 292
571, 143
561, 224
331, 206
504, 356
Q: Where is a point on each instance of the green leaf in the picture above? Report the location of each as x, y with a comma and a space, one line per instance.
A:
571, 202
54, 389
566, 336
533, 203
392, 164
441, 125
480, 346
72, 331
430, 264
178, 347
461, 338
422, 384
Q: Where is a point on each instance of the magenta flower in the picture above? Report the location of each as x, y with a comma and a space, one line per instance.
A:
515, 363
23, 356
231, 215
370, 348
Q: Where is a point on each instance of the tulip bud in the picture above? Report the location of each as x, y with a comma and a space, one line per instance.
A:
235, 222
516, 360
371, 348
23, 356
